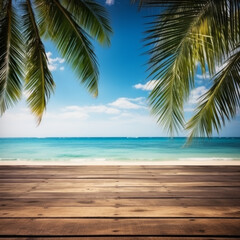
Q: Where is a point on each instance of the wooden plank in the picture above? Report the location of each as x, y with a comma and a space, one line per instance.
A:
120, 227
117, 189
133, 170
124, 195
144, 211
140, 189
110, 174
120, 167
16, 183
83, 183
113, 182
103, 177
138, 202
123, 238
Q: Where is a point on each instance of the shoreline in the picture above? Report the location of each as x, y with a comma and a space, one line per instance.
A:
181, 162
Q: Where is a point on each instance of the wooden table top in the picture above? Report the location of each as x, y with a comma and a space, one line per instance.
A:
120, 202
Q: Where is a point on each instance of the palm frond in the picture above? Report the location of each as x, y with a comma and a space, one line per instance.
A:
176, 49
71, 40
234, 16
220, 103
91, 16
184, 34
223, 26
11, 57
39, 82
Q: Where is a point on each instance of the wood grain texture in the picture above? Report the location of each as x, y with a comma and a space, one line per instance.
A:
120, 202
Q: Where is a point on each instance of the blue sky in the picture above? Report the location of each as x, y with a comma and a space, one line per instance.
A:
120, 109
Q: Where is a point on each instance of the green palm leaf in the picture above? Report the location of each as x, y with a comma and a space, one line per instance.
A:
174, 63
69, 24
39, 82
92, 17
71, 40
184, 34
221, 101
11, 57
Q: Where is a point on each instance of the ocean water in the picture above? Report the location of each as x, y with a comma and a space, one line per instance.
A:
117, 149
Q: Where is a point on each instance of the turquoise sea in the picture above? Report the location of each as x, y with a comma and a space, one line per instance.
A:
117, 149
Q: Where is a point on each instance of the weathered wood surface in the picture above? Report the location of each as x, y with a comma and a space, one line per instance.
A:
120, 202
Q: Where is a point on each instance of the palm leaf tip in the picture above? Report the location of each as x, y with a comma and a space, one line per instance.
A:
167, 110
39, 81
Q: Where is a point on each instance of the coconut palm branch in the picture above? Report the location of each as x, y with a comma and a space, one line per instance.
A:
221, 102
71, 25
183, 35
71, 40
39, 82
11, 57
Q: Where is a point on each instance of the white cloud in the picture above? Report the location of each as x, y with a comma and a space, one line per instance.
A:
109, 2
69, 115
129, 103
196, 94
92, 109
194, 98
124, 115
189, 109
203, 76
89, 121
147, 86
52, 67
54, 63
25, 126
77, 121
